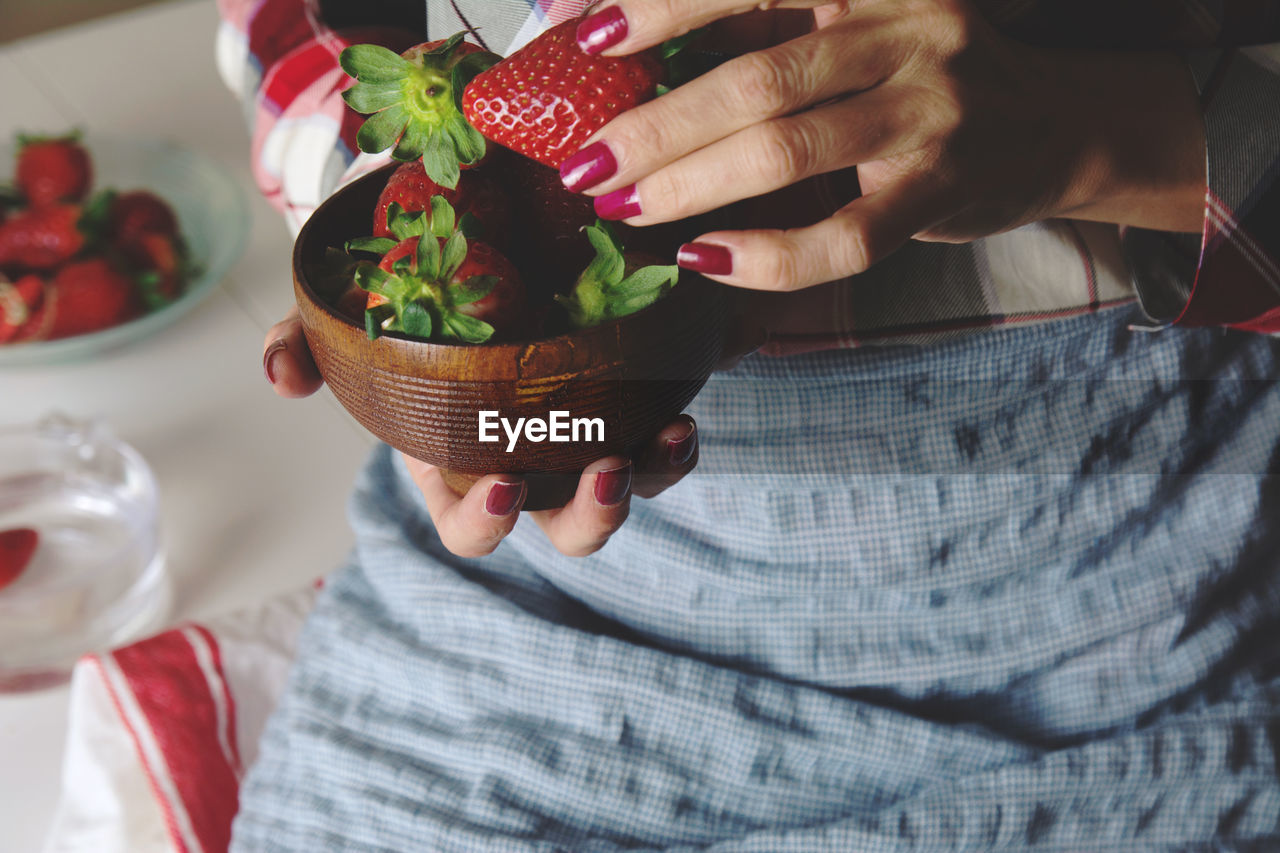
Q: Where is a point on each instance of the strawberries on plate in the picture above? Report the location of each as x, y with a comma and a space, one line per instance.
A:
52, 169
72, 263
41, 238
88, 296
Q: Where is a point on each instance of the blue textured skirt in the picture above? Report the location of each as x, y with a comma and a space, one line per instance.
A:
1020, 590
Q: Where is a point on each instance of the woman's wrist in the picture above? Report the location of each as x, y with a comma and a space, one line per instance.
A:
1142, 148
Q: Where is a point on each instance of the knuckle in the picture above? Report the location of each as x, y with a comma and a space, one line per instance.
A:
784, 152
766, 84
853, 252
664, 195
780, 265
637, 131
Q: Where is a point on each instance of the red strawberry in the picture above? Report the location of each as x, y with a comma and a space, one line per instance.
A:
51, 170
41, 238
139, 212
17, 546
475, 193
551, 219
90, 295
546, 98
444, 288
19, 301
160, 263
412, 102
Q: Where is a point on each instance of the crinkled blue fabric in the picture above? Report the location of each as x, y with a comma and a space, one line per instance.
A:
1018, 591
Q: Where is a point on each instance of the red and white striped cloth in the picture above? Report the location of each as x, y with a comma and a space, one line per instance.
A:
161, 732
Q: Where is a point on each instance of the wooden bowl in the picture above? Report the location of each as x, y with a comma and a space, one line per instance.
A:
630, 376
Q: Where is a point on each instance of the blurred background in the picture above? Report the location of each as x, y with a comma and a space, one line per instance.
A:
252, 487
27, 17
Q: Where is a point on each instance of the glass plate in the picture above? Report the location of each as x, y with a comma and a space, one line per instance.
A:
213, 215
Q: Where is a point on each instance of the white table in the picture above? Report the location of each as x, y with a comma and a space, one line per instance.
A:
253, 487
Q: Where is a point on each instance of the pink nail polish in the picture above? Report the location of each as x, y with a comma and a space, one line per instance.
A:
705, 258
602, 30
269, 357
619, 204
503, 498
589, 167
612, 485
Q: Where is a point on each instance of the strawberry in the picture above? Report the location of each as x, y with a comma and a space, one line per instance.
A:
546, 98
160, 265
52, 169
17, 546
90, 295
19, 301
440, 286
551, 219
138, 212
614, 284
41, 238
477, 194
412, 100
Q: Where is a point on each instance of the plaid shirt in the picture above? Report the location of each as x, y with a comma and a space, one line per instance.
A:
281, 60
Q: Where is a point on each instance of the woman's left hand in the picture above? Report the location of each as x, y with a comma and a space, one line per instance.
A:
957, 132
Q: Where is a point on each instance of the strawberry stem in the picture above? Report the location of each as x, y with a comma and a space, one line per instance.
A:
412, 101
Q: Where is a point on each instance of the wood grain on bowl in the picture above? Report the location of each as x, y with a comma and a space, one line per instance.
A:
634, 374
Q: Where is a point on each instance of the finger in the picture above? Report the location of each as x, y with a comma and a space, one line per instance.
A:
774, 154
672, 454
739, 94
597, 510
860, 234
620, 27
474, 524
287, 361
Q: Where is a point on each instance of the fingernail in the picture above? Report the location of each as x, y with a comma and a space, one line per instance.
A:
705, 258
602, 30
503, 499
619, 204
680, 450
590, 166
269, 358
612, 485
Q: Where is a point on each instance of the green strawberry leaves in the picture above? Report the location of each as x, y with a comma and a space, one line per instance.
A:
421, 299
605, 290
413, 104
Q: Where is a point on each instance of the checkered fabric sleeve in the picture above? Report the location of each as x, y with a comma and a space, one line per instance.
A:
1231, 276
281, 61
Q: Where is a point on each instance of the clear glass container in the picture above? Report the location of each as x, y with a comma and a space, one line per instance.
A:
97, 578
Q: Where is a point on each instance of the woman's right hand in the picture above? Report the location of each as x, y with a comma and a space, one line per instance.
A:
474, 524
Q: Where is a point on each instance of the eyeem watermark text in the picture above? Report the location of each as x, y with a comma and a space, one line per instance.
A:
558, 426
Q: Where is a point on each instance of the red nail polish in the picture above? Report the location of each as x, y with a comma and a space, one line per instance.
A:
268, 358
602, 30
705, 258
503, 498
680, 450
590, 166
619, 204
612, 485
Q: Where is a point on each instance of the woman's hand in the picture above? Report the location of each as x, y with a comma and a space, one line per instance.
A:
956, 132
474, 524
